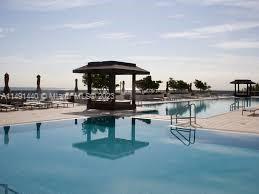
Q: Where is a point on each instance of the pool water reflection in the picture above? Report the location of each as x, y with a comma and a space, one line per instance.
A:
204, 108
124, 155
109, 147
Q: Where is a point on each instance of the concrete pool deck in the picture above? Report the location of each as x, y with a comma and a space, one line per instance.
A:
231, 121
41, 115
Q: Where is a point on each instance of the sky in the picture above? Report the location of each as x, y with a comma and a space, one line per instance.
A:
216, 41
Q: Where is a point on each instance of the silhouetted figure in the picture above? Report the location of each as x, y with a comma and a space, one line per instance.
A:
190, 87
76, 86
38, 130
6, 134
75, 121
167, 87
38, 84
6, 82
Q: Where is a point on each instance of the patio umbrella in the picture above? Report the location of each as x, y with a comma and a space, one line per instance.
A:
123, 87
76, 85
38, 84
6, 81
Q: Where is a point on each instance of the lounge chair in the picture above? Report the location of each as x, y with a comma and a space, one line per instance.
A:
62, 104
7, 107
35, 104
253, 110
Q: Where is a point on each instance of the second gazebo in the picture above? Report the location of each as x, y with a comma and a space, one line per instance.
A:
112, 68
247, 92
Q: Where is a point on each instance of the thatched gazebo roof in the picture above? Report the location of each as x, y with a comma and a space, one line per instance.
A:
242, 81
116, 67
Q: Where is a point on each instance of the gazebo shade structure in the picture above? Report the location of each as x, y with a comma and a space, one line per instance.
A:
112, 68
246, 82
107, 67
109, 147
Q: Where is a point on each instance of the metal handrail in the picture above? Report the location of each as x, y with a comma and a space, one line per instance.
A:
7, 190
190, 117
236, 105
191, 135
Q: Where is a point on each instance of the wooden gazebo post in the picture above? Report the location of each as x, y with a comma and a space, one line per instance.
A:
133, 91
235, 89
247, 89
89, 89
133, 129
112, 87
111, 130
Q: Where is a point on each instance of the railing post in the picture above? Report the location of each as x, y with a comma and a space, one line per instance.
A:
194, 113
171, 119
6, 189
190, 109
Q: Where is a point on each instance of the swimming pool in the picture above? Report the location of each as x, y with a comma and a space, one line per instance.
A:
204, 108
123, 156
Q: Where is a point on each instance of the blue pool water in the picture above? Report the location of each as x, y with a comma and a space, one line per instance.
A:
204, 108
125, 156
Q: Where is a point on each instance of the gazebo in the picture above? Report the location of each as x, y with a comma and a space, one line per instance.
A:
246, 82
110, 147
111, 68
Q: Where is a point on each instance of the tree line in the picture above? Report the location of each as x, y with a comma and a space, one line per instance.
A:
178, 85
102, 82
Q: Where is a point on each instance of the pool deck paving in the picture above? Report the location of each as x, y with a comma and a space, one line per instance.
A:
231, 121
41, 115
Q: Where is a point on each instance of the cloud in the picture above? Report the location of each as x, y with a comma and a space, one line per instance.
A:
206, 32
217, 70
78, 26
164, 3
5, 31
176, 16
204, 63
248, 4
116, 36
144, 42
50, 5
238, 45
245, 4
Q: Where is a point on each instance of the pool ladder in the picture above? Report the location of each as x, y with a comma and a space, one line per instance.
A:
8, 190
185, 135
237, 104
191, 108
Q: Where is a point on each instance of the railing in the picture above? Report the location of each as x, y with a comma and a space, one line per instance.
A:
237, 104
190, 117
186, 135
7, 190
